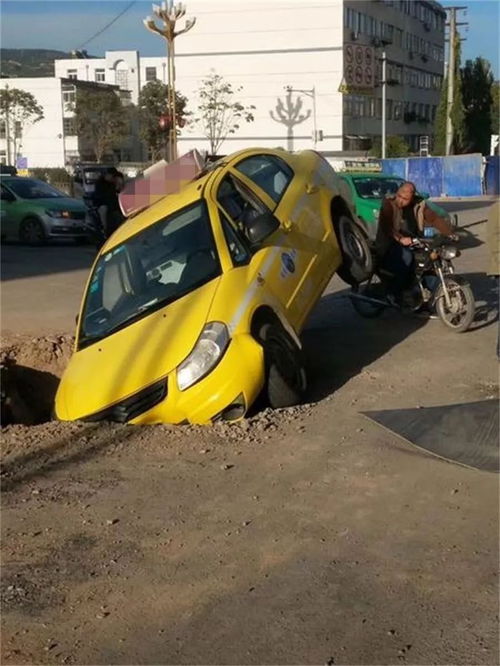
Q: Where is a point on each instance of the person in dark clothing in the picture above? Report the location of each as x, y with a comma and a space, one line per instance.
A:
106, 193
403, 217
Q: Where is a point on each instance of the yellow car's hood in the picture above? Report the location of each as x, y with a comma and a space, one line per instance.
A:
134, 357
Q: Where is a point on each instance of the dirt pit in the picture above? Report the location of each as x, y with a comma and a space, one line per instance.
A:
30, 372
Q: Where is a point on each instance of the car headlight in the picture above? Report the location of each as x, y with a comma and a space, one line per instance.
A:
449, 252
58, 213
207, 352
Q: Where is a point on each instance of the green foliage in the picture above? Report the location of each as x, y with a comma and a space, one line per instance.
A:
56, 176
477, 82
29, 62
395, 146
457, 112
101, 120
19, 109
152, 105
495, 109
219, 114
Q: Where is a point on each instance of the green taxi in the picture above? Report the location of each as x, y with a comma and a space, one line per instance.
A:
364, 191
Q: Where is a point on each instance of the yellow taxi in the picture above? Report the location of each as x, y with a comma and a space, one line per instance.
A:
195, 305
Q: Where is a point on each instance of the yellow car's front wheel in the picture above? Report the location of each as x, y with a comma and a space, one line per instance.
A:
286, 379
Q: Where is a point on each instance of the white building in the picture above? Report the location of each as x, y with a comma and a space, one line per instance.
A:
263, 48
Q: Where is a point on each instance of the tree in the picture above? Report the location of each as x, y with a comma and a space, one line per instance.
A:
395, 146
219, 114
495, 109
477, 83
19, 109
457, 111
152, 107
101, 120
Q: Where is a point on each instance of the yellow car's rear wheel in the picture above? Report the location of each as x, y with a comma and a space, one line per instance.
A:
286, 380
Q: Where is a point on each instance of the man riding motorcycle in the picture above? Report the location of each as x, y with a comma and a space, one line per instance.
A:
403, 217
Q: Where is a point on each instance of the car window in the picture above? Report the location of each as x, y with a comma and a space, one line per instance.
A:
236, 245
28, 188
240, 205
268, 172
376, 188
156, 266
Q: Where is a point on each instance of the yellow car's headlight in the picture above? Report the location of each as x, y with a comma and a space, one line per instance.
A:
207, 352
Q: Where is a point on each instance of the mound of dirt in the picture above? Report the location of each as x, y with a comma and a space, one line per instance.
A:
30, 372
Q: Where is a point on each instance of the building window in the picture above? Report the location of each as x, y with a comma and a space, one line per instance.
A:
398, 110
3, 157
69, 126
122, 78
100, 75
18, 129
69, 96
71, 74
2, 129
150, 73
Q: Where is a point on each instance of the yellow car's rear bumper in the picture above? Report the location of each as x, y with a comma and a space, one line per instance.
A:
237, 379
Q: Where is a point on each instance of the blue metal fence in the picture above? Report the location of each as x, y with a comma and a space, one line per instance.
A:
454, 176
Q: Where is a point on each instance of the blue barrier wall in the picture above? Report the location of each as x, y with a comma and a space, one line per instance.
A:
462, 175
454, 176
395, 167
493, 175
427, 174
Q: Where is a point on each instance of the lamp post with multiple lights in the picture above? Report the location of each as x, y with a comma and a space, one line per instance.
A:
169, 13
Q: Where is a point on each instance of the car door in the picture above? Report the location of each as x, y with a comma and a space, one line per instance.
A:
8, 208
238, 204
296, 197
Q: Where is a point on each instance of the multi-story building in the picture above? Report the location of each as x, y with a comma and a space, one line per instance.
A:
52, 141
291, 60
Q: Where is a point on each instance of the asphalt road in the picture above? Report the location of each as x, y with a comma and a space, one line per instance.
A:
42, 287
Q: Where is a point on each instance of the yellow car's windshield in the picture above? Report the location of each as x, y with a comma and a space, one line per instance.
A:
158, 265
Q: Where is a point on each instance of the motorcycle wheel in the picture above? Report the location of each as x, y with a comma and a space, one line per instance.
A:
461, 314
371, 289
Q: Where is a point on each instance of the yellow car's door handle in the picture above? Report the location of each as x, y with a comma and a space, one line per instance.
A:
311, 189
287, 225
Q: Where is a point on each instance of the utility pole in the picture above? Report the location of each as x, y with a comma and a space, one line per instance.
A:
7, 124
169, 13
384, 102
452, 23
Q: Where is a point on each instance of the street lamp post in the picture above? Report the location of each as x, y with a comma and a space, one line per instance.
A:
384, 102
169, 13
310, 93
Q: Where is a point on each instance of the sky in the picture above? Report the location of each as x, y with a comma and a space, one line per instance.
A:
67, 24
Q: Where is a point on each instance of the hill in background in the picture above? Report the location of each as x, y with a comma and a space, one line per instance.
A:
29, 62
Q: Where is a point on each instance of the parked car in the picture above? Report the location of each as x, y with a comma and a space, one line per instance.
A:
364, 192
8, 170
195, 304
34, 212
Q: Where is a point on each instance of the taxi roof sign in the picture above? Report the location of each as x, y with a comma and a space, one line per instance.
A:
371, 166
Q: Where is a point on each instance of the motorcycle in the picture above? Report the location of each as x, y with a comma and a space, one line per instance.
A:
436, 288
93, 223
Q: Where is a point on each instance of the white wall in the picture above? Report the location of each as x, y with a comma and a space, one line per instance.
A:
264, 47
259, 46
42, 142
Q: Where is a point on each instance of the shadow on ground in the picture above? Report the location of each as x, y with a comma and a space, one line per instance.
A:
22, 261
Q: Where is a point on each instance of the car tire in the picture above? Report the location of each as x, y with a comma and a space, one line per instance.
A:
357, 259
31, 232
286, 379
